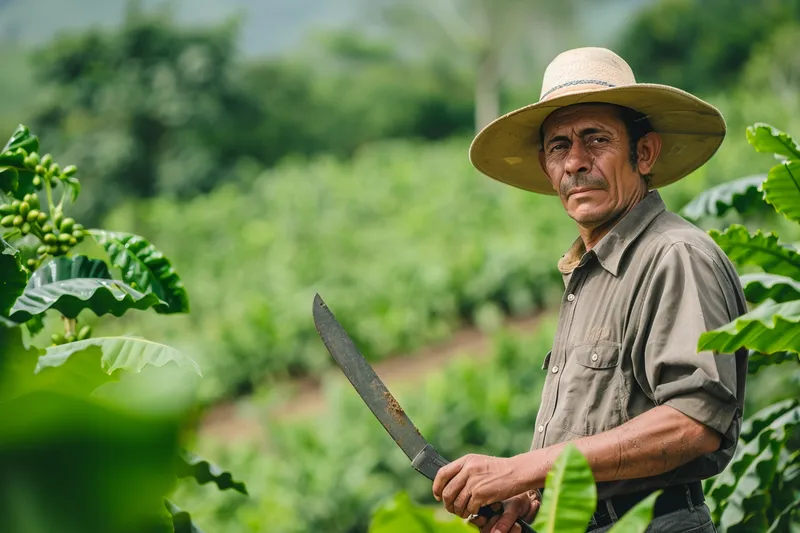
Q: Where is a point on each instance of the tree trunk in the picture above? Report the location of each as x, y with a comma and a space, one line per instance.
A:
487, 89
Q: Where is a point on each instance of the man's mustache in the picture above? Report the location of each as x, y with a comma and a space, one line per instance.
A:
582, 180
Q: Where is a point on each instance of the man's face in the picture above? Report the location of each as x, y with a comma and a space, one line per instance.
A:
586, 155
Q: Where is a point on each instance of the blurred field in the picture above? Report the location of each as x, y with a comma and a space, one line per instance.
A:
322, 147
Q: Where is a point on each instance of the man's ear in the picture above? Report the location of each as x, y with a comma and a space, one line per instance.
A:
648, 148
544, 169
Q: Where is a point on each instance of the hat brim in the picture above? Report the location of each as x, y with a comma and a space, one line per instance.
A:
691, 130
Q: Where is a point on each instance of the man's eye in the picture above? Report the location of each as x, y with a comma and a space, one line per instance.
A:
599, 140
557, 147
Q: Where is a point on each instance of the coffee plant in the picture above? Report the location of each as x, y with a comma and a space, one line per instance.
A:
760, 490
93, 428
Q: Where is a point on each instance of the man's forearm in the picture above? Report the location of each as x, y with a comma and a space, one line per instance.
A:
655, 442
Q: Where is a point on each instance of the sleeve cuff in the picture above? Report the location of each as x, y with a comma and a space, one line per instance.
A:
706, 409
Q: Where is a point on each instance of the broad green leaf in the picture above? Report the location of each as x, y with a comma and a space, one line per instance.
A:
781, 523
760, 460
35, 324
765, 138
401, 514
25, 183
771, 327
22, 138
9, 179
17, 363
782, 189
181, 520
570, 495
742, 195
637, 519
64, 268
70, 297
70, 464
117, 353
758, 249
753, 465
760, 286
758, 360
12, 276
755, 423
145, 268
203, 472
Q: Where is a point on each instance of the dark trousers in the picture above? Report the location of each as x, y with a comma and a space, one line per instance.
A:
695, 519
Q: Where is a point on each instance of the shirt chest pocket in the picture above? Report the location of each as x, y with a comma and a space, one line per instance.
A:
593, 391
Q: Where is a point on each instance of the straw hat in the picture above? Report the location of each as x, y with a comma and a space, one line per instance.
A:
691, 129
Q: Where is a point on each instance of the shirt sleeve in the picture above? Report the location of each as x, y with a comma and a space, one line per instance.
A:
688, 295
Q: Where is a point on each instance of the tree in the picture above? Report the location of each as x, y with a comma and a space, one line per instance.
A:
488, 36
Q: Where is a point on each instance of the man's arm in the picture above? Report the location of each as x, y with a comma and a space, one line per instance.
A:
652, 443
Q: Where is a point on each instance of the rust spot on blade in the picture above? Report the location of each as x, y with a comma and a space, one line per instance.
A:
394, 409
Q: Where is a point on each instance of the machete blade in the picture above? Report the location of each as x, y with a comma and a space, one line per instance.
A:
366, 382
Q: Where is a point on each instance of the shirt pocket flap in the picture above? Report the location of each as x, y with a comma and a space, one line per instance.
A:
546, 362
598, 354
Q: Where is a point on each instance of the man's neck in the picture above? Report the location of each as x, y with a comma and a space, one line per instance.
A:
591, 235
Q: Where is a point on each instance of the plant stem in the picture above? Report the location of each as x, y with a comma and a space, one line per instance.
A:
49, 196
69, 325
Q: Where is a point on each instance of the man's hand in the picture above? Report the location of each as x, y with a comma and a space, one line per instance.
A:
521, 506
469, 483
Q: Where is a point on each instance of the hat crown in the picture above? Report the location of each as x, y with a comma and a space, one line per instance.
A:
576, 69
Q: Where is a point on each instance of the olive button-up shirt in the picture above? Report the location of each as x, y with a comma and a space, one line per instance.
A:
630, 318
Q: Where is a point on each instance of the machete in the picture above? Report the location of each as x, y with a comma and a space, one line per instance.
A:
424, 457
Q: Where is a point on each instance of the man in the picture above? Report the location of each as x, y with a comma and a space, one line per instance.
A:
624, 380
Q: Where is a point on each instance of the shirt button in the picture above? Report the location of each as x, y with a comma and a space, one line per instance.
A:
541, 428
570, 297
594, 357
555, 369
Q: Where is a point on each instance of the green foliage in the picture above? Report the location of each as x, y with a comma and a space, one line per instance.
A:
204, 472
71, 296
118, 353
143, 266
71, 465
152, 108
700, 45
12, 277
404, 271
758, 249
571, 494
181, 520
760, 486
742, 195
92, 443
474, 405
760, 286
754, 491
400, 514
771, 327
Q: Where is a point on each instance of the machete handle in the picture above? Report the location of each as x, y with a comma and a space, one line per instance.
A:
488, 511
428, 462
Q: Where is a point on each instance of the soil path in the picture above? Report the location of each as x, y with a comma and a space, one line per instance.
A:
242, 419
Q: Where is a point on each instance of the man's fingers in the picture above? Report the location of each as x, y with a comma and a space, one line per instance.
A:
461, 504
506, 522
443, 477
535, 504
484, 524
452, 492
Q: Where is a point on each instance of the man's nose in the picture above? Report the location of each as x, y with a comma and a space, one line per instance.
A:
578, 159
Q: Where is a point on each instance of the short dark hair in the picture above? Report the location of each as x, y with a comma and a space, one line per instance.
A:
637, 125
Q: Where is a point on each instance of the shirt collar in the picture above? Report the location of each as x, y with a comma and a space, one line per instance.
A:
611, 248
